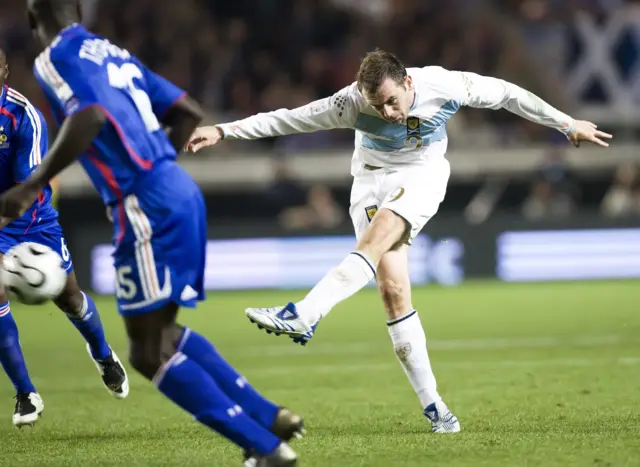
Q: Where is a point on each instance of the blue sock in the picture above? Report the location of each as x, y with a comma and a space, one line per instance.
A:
89, 324
10, 352
201, 351
189, 386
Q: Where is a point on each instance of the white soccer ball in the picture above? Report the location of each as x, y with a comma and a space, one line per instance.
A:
32, 273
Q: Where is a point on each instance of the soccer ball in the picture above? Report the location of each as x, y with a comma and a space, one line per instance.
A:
32, 273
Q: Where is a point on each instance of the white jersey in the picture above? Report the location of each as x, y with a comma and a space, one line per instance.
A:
439, 93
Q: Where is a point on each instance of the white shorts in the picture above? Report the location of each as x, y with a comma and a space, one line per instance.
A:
413, 192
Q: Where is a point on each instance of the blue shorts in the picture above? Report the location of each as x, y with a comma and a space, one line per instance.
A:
50, 236
161, 241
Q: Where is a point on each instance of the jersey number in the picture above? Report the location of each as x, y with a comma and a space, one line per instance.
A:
125, 287
122, 78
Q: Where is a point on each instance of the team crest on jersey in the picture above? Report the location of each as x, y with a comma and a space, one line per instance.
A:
3, 140
371, 211
413, 133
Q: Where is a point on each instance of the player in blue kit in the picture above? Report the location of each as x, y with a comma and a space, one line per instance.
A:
23, 141
126, 124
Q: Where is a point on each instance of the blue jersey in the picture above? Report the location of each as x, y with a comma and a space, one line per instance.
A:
160, 230
23, 143
81, 69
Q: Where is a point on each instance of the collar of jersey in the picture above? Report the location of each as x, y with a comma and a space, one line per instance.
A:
415, 101
65, 31
3, 94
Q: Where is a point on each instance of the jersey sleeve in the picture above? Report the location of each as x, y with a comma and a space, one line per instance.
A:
337, 111
31, 143
162, 92
484, 92
67, 80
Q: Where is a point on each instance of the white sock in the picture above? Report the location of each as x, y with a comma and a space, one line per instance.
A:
354, 273
410, 345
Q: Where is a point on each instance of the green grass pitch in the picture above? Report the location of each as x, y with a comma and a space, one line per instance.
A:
539, 375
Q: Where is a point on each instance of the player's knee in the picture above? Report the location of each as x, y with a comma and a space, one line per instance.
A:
144, 360
393, 296
70, 301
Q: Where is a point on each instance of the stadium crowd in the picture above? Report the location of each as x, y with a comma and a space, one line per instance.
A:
246, 56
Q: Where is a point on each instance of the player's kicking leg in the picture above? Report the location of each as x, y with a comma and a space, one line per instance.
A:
381, 251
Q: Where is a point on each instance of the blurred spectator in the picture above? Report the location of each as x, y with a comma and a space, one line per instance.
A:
623, 198
553, 192
248, 56
320, 212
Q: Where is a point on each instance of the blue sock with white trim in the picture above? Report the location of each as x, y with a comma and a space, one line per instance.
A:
200, 350
189, 386
88, 322
11, 356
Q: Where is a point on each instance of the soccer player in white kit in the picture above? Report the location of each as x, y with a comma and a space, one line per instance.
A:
400, 178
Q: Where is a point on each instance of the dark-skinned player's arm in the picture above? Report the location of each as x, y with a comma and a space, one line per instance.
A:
180, 120
75, 136
178, 113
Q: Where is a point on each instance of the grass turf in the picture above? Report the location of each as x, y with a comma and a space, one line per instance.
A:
539, 374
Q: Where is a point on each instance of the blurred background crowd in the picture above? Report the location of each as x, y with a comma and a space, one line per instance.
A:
246, 56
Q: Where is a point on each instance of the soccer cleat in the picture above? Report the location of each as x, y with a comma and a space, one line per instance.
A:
286, 426
441, 418
283, 456
114, 376
282, 320
29, 407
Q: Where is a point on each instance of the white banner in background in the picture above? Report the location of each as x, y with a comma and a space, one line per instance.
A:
289, 263
568, 255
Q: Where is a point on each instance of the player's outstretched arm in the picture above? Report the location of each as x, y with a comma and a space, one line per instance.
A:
180, 120
75, 136
485, 92
337, 111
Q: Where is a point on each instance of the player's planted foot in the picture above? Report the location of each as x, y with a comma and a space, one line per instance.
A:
114, 376
29, 407
282, 320
441, 418
283, 456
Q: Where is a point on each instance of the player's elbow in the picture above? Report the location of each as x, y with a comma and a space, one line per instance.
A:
184, 109
95, 115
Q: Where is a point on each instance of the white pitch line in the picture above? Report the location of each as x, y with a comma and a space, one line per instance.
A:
443, 366
313, 349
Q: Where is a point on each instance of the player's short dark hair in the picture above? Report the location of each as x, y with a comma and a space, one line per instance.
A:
48, 8
376, 67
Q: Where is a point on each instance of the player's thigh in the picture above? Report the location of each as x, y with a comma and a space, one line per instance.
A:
365, 201
394, 282
415, 194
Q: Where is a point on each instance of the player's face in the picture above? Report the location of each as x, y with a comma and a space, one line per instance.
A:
4, 69
37, 30
392, 100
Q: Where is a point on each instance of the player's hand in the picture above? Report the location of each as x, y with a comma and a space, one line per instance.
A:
202, 137
15, 201
587, 131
